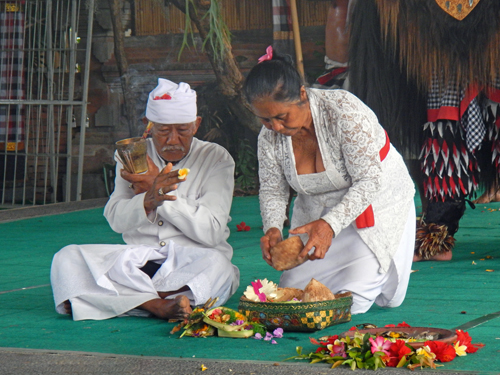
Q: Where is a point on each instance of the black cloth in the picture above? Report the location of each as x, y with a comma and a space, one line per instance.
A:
150, 268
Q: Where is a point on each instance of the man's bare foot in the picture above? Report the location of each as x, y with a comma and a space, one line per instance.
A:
489, 196
447, 255
166, 294
178, 308
67, 307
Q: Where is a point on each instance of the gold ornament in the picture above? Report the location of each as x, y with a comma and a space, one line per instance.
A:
458, 9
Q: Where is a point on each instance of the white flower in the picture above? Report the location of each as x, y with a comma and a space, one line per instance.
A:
268, 288
250, 294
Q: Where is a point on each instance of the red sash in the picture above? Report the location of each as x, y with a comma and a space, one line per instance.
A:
366, 219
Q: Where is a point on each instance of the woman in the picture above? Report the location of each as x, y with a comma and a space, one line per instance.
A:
354, 208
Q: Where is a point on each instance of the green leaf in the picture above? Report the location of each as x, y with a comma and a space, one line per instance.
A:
402, 362
353, 365
299, 350
337, 363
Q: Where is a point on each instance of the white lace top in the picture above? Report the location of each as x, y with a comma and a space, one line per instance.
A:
350, 139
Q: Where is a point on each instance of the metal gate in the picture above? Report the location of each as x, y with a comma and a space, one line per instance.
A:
44, 75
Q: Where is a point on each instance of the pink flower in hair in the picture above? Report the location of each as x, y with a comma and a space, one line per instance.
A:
268, 55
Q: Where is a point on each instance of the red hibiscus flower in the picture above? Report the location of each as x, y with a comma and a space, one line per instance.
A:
444, 352
242, 227
464, 339
323, 344
397, 351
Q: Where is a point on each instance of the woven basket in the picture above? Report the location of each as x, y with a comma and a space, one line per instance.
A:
300, 316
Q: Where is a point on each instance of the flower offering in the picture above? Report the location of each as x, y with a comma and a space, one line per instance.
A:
370, 351
225, 322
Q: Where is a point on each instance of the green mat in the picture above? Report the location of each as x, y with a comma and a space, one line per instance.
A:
441, 294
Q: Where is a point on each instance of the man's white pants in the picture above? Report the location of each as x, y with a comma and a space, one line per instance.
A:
104, 281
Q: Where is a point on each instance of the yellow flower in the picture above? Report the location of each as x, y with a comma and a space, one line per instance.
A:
394, 335
426, 352
203, 367
239, 316
460, 349
183, 173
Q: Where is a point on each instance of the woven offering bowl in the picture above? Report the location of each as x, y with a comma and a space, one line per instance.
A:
298, 316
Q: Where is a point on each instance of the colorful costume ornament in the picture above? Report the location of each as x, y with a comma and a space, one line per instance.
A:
409, 58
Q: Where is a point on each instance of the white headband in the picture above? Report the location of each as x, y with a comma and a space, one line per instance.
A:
171, 103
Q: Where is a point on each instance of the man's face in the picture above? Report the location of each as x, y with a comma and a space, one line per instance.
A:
173, 141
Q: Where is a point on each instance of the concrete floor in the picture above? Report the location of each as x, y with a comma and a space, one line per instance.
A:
41, 362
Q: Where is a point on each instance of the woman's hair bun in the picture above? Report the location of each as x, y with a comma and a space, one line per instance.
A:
283, 57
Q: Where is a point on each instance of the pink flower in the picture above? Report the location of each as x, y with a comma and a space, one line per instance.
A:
258, 336
268, 336
278, 333
256, 288
380, 345
268, 55
337, 350
273, 342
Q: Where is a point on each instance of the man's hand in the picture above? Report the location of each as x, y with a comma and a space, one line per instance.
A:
320, 238
270, 239
165, 182
141, 182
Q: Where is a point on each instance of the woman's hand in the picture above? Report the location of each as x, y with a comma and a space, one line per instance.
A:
270, 239
320, 238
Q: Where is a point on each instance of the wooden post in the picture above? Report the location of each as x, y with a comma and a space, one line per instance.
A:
296, 37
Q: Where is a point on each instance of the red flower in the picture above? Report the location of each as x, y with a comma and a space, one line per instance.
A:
323, 344
464, 339
242, 227
444, 352
164, 97
397, 351
321, 349
402, 325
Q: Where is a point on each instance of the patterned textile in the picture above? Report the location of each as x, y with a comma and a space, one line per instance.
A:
282, 18
11, 75
492, 119
455, 130
332, 79
450, 169
457, 104
282, 27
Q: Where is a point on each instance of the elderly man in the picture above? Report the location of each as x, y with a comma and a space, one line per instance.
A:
176, 253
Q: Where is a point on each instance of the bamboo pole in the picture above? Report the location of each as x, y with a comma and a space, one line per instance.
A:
296, 37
